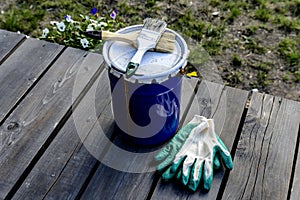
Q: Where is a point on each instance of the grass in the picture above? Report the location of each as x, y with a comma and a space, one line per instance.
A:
23, 19
250, 30
253, 46
294, 8
290, 51
234, 77
297, 75
262, 79
264, 67
234, 14
191, 26
287, 24
262, 14
236, 61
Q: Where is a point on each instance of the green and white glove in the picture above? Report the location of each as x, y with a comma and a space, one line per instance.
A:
193, 152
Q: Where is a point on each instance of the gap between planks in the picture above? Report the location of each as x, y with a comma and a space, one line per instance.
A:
21, 39
293, 174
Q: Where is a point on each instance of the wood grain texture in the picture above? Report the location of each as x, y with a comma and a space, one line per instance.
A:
226, 106
127, 171
295, 190
79, 168
21, 70
265, 152
8, 41
33, 123
65, 165
206, 100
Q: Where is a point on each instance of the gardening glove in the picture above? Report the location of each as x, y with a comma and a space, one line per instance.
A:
168, 153
197, 155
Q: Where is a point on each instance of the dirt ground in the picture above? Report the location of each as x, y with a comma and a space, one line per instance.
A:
268, 37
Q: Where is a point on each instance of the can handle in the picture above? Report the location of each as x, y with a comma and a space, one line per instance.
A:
131, 68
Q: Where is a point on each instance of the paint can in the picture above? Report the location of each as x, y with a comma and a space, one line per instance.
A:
146, 106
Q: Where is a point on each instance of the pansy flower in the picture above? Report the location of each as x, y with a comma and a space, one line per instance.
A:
68, 18
84, 42
102, 24
45, 33
54, 23
61, 26
94, 11
113, 14
90, 27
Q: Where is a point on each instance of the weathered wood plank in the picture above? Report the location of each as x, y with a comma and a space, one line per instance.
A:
265, 152
21, 70
59, 173
127, 171
226, 107
206, 100
33, 124
8, 41
295, 191
77, 171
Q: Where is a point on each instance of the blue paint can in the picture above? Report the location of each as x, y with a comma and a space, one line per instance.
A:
146, 106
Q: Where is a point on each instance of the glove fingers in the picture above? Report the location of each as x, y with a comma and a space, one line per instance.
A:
227, 160
167, 175
207, 175
196, 175
172, 170
217, 163
179, 174
186, 169
224, 153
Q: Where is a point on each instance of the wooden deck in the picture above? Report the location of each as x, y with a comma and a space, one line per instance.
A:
53, 99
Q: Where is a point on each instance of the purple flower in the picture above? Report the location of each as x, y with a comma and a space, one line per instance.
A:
113, 14
94, 11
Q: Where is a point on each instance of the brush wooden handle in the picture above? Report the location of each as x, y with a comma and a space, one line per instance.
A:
127, 37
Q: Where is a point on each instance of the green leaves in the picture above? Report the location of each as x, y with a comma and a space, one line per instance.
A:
70, 31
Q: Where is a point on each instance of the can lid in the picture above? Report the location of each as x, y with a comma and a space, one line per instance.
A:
154, 67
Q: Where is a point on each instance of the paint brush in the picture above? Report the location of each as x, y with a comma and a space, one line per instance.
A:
147, 39
165, 43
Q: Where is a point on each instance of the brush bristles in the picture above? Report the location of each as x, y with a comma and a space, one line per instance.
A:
156, 25
166, 43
